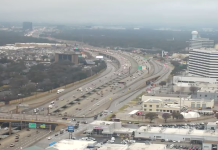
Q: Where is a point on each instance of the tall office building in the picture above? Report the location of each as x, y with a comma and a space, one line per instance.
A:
203, 62
198, 42
27, 26
70, 57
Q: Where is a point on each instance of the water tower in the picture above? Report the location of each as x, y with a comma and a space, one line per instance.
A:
194, 35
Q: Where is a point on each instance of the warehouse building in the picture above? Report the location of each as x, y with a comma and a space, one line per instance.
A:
178, 134
134, 146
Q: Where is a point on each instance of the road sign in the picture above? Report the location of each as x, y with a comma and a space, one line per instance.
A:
52, 143
139, 67
143, 67
32, 125
70, 128
42, 126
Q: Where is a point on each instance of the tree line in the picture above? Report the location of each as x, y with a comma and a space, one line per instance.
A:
10, 37
41, 77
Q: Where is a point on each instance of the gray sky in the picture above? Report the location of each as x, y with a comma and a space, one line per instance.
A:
175, 12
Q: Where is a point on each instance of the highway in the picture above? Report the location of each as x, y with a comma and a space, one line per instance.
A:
98, 94
73, 100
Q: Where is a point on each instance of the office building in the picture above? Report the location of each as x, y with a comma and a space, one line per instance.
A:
198, 42
70, 57
27, 26
203, 63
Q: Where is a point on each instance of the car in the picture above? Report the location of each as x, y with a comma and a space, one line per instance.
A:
49, 138
28, 129
16, 140
17, 137
162, 140
56, 134
12, 145
64, 118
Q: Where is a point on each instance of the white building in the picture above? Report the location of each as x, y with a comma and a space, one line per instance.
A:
134, 146
203, 63
198, 42
73, 144
108, 128
178, 134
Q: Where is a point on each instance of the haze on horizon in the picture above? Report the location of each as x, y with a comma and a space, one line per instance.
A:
162, 12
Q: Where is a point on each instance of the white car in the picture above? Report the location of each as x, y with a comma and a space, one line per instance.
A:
49, 138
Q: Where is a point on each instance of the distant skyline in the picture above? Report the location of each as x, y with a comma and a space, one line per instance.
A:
112, 12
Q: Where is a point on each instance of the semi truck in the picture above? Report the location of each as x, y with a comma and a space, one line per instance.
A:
60, 91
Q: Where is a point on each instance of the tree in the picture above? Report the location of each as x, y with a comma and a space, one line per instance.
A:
151, 116
175, 115
162, 83
180, 116
193, 89
166, 116
216, 115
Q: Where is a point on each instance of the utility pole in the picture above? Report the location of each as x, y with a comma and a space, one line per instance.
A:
9, 128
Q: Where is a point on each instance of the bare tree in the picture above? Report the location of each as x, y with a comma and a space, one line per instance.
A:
193, 89
182, 89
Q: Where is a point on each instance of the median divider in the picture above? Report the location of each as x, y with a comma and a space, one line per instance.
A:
39, 95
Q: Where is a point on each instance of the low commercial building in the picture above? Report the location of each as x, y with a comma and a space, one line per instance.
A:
178, 134
39, 45
196, 103
191, 80
134, 146
73, 144
208, 93
108, 128
113, 147
159, 105
165, 104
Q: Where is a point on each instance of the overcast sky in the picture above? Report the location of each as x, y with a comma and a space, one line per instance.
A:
175, 12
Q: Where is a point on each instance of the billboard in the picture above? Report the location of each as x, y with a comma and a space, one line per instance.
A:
70, 128
99, 57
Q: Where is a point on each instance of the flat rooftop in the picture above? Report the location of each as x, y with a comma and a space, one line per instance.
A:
140, 146
97, 122
177, 131
159, 99
72, 144
113, 147
209, 90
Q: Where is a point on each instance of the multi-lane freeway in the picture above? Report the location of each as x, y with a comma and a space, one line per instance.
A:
110, 90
